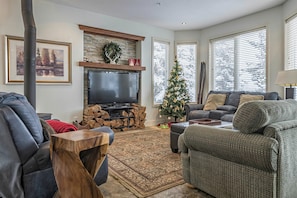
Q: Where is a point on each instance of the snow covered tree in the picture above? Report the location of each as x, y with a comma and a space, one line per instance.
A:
176, 95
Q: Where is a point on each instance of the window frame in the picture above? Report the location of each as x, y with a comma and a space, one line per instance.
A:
196, 64
286, 40
211, 55
294, 16
167, 42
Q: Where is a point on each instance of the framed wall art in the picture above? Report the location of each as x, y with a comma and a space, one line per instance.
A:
53, 61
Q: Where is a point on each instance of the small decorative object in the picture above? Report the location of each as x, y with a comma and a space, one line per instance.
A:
205, 121
131, 61
111, 53
137, 62
164, 126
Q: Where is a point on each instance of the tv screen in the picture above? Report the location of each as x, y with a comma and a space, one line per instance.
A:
112, 87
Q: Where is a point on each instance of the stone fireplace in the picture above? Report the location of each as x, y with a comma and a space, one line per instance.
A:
123, 116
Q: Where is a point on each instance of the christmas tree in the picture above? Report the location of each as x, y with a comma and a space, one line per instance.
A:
176, 95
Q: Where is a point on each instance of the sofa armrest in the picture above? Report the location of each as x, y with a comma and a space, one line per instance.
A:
191, 107
185, 159
253, 150
40, 160
102, 174
181, 144
105, 129
286, 133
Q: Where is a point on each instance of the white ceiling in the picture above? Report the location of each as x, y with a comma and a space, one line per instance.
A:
170, 14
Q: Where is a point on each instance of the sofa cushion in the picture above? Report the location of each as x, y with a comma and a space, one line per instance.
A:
233, 98
267, 95
256, 150
248, 97
227, 117
25, 111
213, 101
255, 115
229, 108
217, 114
197, 114
24, 142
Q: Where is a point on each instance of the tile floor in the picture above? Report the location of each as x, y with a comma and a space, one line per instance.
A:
113, 189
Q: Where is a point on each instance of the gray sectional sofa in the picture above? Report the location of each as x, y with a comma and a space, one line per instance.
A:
225, 111
257, 158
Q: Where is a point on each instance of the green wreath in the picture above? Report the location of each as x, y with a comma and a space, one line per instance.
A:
111, 53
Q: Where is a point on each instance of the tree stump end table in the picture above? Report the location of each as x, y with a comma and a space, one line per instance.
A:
76, 158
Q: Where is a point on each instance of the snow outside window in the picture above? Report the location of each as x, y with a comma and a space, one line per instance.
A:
291, 45
239, 62
187, 58
160, 69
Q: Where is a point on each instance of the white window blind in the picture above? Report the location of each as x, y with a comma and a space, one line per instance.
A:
187, 57
291, 45
239, 61
160, 69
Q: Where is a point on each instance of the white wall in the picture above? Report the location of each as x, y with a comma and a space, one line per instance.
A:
290, 8
60, 23
272, 19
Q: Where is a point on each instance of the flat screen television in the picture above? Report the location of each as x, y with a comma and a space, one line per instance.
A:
110, 87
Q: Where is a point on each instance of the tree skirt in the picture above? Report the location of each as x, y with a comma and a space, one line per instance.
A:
143, 162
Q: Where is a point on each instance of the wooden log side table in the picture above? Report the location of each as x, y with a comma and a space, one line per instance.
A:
76, 158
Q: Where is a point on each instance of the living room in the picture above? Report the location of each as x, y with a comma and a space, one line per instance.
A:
59, 23
63, 26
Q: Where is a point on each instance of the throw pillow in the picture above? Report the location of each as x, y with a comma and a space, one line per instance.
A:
228, 108
213, 101
47, 129
247, 97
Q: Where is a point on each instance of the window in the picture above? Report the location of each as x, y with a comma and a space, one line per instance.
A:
239, 62
160, 68
187, 58
291, 45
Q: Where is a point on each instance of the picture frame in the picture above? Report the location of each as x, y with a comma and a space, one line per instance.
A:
53, 61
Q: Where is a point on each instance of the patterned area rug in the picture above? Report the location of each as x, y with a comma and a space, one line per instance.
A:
143, 162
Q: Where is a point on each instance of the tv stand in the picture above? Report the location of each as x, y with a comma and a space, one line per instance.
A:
120, 117
115, 105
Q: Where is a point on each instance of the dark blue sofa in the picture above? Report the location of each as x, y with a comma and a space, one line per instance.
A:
226, 111
25, 164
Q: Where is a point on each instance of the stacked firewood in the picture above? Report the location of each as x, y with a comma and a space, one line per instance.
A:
134, 118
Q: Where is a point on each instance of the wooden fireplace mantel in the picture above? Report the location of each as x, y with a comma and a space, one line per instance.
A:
111, 33
111, 66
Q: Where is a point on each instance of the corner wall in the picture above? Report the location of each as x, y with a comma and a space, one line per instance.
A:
60, 23
271, 18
